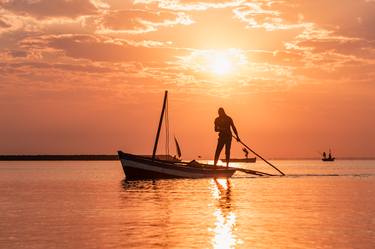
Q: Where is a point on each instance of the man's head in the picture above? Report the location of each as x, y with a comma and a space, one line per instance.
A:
221, 112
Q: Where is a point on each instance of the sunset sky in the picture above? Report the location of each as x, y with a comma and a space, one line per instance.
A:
88, 76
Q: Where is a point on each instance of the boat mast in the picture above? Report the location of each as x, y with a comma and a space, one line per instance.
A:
160, 123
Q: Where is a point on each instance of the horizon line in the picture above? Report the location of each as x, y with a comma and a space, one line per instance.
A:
113, 157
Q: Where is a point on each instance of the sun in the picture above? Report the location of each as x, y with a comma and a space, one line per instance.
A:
225, 64
220, 64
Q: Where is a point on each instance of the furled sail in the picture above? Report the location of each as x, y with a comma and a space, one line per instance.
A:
178, 149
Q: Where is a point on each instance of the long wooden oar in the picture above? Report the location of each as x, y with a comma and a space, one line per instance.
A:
252, 172
247, 147
247, 171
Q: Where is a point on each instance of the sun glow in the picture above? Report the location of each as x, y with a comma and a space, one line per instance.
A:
217, 62
220, 64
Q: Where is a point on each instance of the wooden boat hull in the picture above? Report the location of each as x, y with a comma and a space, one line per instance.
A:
241, 160
139, 167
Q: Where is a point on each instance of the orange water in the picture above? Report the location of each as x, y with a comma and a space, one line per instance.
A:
88, 205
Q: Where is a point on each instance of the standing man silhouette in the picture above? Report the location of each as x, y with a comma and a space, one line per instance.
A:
223, 123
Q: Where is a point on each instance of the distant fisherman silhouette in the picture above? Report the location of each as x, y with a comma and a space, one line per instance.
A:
223, 123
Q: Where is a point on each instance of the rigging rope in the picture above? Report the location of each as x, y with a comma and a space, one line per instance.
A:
166, 129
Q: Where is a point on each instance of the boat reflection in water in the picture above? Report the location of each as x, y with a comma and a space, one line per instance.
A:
225, 224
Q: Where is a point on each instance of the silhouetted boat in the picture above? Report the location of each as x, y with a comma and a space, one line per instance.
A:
330, 158
140, 167
241, 160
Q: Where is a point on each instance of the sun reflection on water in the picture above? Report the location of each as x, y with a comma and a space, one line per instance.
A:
225, 224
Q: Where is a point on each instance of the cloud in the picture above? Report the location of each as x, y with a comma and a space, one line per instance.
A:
140, 21
11, 22
50, 8
18, 53
276, 37
284, 57
358, 48
4, 24
266, 16
100, 48
350, 18
191, 5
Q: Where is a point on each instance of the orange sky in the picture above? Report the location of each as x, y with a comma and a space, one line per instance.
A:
88, 76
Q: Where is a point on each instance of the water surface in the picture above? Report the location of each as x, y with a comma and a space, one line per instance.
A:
89, 205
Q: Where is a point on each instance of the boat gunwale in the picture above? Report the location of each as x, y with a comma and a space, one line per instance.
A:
173, 165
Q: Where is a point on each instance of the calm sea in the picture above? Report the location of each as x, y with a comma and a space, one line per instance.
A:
89, 205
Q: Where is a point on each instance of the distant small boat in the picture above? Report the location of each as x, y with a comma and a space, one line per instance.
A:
328, 158
241, 160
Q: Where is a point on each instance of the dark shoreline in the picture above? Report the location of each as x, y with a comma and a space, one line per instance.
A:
58, 157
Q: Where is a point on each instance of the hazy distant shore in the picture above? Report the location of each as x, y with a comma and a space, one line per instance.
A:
58, 157
115, 157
